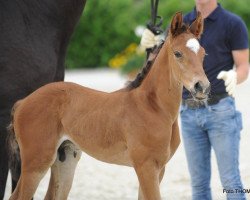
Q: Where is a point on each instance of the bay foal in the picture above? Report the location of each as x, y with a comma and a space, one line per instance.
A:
136, 126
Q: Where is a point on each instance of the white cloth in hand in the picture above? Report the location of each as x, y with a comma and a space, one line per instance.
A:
149, 40
230, 78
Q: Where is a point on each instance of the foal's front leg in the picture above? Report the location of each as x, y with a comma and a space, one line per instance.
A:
140, 196
148, 175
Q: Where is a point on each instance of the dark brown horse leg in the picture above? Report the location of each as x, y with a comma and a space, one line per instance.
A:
3, 162
14, 160
14, 163
4, 155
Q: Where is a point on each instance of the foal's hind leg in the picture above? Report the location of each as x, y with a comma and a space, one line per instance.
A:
36, 159
27, 185
14, 157
62, 171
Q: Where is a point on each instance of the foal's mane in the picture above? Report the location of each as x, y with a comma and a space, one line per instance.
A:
146, 68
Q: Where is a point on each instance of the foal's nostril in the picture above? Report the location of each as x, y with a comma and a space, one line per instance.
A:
198, 87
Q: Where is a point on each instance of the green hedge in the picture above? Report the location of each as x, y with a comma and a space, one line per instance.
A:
107, 27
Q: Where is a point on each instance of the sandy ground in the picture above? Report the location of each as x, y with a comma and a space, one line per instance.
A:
95, 180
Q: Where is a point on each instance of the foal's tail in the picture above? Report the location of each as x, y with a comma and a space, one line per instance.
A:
13, 150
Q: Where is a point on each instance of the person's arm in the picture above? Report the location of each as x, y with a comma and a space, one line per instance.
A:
234, 77
238, 41
241, 61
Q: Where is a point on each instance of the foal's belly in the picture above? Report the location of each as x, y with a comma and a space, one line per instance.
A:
121, 158
115, 154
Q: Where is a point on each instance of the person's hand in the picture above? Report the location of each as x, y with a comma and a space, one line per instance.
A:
230, 78
149, 40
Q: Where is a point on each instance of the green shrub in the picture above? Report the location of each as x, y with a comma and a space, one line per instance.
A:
107, 27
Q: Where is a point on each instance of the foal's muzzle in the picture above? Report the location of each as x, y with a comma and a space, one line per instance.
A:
201, 90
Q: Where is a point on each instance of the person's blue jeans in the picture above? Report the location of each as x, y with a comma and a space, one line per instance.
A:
217, 126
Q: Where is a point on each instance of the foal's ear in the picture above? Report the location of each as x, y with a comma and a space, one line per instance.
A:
176, 24
197, 26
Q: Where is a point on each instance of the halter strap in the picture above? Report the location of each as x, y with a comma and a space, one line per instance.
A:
153, 25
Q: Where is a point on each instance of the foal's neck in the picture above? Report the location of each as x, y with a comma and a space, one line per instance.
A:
163, 81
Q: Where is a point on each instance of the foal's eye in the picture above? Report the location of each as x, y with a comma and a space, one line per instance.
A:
178, 54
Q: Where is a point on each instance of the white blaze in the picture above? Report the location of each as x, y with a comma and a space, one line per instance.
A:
193, 45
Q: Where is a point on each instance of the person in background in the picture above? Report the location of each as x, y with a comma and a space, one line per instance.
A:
215, 124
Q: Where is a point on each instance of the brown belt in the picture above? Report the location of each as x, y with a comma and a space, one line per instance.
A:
214, 99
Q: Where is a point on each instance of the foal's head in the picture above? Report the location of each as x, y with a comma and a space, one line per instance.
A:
189, 55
